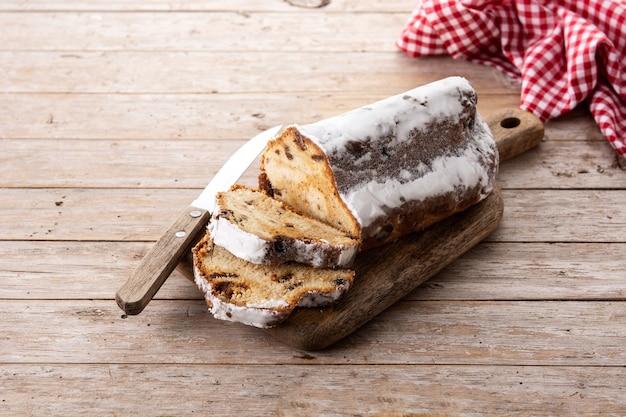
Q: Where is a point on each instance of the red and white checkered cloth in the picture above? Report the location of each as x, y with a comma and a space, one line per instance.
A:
564, 52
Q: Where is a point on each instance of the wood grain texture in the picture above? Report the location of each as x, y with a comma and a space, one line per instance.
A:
447, 332
312, 390
201, 117
166, 72
553, 271
238, 6
191, 31
105, 136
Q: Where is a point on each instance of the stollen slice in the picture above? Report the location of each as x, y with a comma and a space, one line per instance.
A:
261, 295
263, 230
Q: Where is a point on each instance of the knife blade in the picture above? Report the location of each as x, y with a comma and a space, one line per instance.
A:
157, 265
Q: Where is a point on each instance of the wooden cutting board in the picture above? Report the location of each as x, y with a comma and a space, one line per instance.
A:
384, 275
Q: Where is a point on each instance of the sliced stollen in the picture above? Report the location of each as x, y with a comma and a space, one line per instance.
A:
261, 295
260, 229
368, 176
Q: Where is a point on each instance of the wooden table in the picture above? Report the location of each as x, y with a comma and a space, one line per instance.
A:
113, 117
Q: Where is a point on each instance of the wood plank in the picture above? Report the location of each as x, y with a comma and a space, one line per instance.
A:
216, 390
216, 116
531, 271
180, 163
548, 216
449, 332
231, 72
200, 117
565, 165
538, 271
96, 214
114, 164
374, 6
70, 269
576, 125
193, 31
54, 214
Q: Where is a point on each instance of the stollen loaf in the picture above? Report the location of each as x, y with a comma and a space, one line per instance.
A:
389, 168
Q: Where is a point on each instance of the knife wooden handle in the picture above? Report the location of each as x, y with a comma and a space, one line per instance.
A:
515, 131
161, 260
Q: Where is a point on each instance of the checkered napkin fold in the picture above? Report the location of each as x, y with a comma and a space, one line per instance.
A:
564, 52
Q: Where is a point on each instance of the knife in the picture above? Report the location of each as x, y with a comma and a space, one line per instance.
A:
157, 265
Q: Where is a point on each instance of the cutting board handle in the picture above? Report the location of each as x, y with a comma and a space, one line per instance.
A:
515, 131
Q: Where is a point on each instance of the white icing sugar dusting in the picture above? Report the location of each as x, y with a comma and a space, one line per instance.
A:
369, 200
365, 158
315, 299
269, 304
347, 255
405, 174
395, 116
258, 315
312, 252
237, 241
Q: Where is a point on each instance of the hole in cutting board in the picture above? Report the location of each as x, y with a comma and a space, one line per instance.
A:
510, 122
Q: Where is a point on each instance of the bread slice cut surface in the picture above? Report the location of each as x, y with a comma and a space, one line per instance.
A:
260, 229
260, 295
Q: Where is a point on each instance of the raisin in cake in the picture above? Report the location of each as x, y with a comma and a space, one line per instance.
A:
260, 295
260, 229
390, 168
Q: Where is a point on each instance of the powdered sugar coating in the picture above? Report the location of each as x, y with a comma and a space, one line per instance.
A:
237, 241
369, 200
264, 315
394, 116
371, 149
